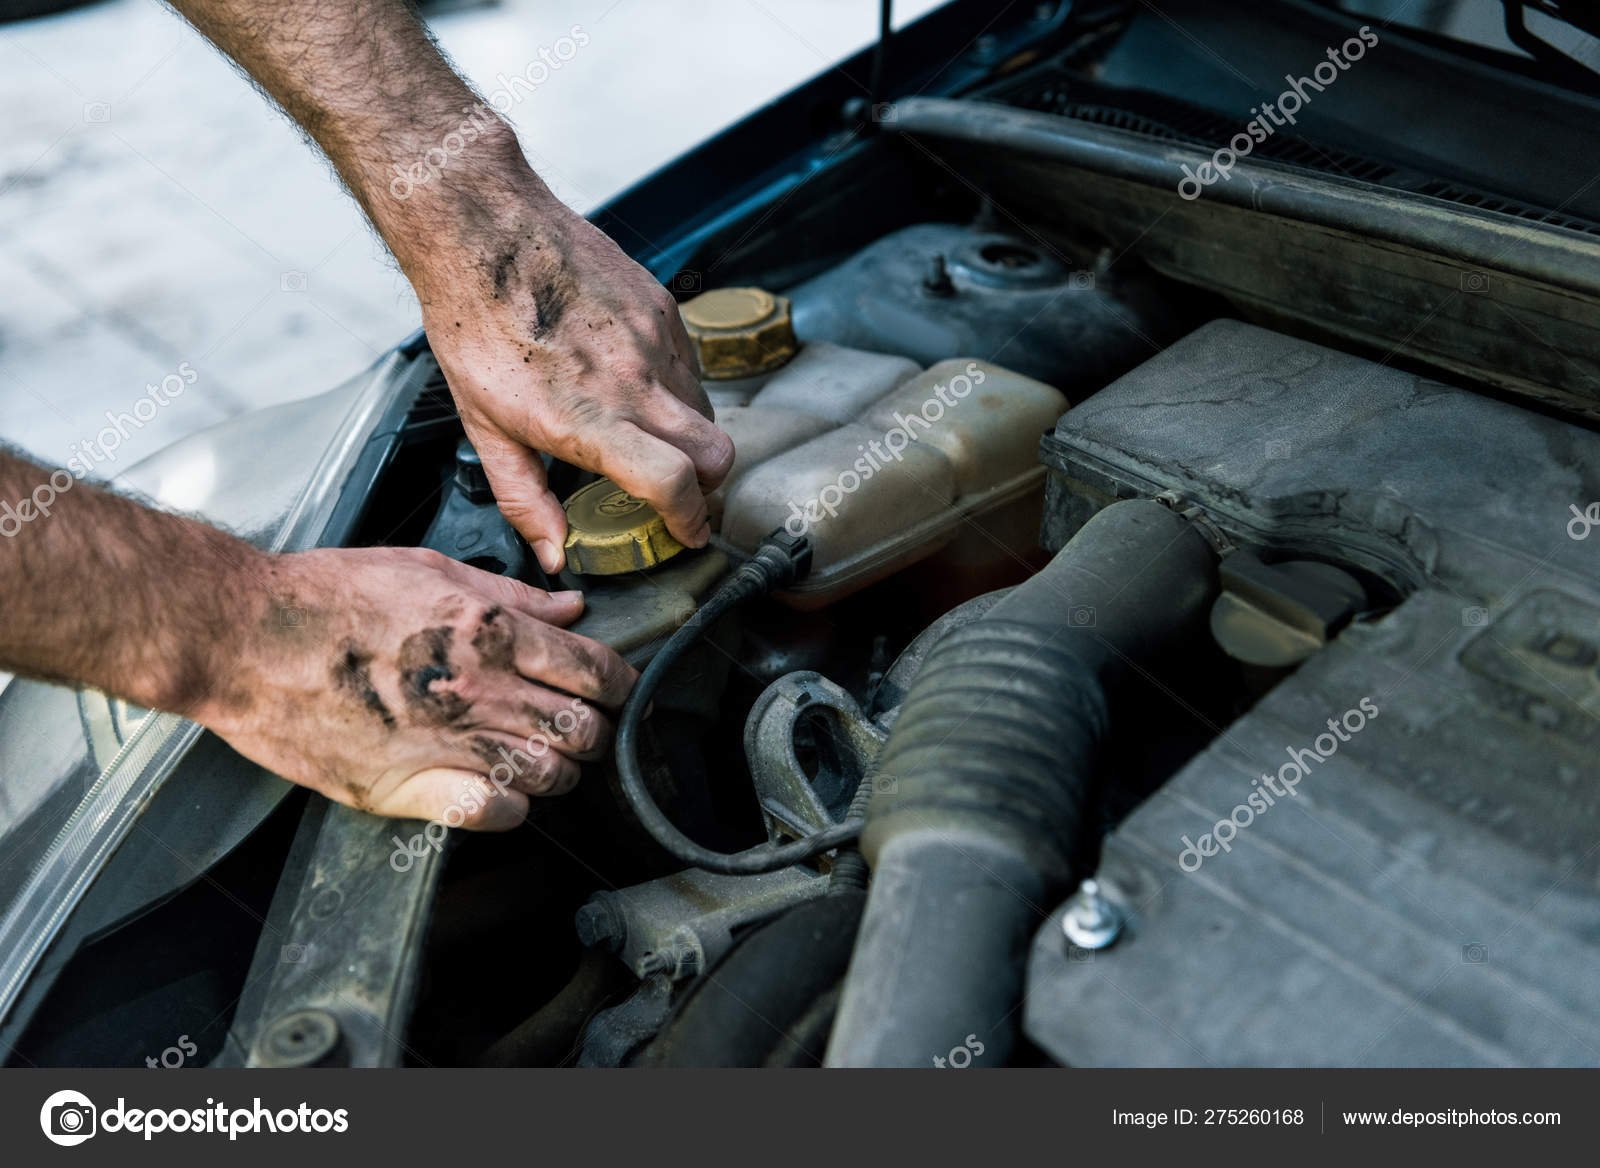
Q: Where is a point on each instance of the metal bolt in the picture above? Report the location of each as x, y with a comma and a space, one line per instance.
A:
1091, 921
302, 1038
597, 924
678, 961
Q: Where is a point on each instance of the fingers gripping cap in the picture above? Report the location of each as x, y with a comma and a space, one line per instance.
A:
610, 532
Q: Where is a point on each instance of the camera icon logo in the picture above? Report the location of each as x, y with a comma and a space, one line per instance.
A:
1474, 281
1081, 615
884, 113
1081, 281
1475, 953
292, 282
96, 111
686, 280
68, 1118
1474, 617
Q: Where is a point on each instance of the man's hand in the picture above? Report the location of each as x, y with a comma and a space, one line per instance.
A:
395, 680
552, 340
392, 679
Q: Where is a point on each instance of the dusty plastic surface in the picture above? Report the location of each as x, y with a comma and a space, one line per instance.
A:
731, 395
806, 490
1429, 897
986, 420
634, 612
833, 382
955, 442
759, 434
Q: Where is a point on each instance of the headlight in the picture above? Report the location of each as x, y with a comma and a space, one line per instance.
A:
80, 768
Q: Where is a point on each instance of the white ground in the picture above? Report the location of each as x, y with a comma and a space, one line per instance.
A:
155, 211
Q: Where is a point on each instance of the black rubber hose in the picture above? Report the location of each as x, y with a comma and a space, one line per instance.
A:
551, 1036
755, 1002
779, 561
979, 814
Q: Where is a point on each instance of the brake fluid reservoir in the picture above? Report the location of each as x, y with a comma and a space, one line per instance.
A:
954, 443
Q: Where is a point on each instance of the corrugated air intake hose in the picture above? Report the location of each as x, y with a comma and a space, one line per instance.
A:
981, 792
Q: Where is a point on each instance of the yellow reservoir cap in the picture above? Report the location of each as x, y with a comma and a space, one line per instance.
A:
739, 332
610, 532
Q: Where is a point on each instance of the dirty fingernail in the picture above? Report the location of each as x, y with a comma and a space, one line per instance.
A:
568, 596
701, 537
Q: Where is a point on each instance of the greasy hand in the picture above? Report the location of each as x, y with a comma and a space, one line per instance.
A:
553, 340
401, 682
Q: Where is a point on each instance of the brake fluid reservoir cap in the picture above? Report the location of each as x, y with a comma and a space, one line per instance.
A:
739, 332
610, 532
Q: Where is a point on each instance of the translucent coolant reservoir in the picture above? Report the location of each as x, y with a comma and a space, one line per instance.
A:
822, 386
830, 381
901, 473
759, 434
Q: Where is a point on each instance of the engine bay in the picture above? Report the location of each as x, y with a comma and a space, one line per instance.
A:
1194, 660
1375, 600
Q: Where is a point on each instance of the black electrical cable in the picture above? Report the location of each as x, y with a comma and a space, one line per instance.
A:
850, 869
779, 561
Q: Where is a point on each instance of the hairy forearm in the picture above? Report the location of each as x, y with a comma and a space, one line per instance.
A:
364, 79
553, 341
100, 591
